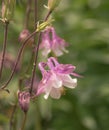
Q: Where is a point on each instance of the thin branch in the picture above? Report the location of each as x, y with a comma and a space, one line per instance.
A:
12, 116
34, 64
33, 54
4, 47
47, 16
28, 11
17, 61
24, 121
35, 12
36, 54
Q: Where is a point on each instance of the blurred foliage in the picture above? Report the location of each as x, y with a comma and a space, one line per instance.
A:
85, 25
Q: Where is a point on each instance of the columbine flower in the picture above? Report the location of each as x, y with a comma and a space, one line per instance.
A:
24, 100
51, 42
55, 77
45, 45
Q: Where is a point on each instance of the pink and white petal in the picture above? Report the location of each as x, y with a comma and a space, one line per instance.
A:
40, 90
52, 63
55, 93
68, 81
45, 52
53, 83
57, 52
64, 69
46, 95
48, 89
56, 81
48, 86
64, 50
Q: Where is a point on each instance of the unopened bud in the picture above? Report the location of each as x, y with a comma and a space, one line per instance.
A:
8, 9
52, 4
24, 100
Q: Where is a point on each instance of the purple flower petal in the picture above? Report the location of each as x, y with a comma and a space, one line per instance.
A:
56, 76
51, 42
55, 93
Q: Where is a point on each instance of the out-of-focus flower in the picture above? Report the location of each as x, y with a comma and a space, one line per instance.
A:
24, 100
51, 42
55, 78
9, 61
23, 36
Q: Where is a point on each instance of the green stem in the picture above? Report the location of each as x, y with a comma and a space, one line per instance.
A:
47, 16
38, 119
24, 121
12, 116
35, 12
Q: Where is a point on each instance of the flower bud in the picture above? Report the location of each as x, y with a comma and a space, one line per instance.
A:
52, 4
24, 35
24, 100
8, 9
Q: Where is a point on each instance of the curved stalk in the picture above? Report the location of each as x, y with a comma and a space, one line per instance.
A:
17, 61
4, 47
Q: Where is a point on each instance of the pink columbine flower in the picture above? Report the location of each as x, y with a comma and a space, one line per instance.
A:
55, 78
24, 100
51, 42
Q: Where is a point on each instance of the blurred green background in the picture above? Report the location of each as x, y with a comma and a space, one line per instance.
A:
84, 24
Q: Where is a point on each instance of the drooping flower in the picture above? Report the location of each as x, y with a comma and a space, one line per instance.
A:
55, 78
51, 42
24, 100
58, 44
45, 45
